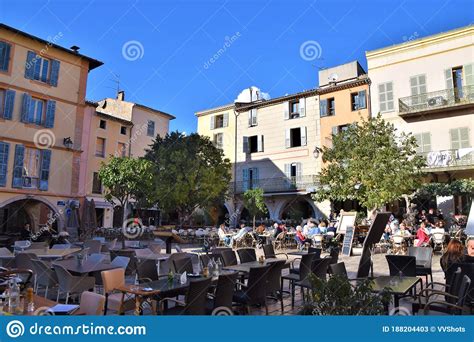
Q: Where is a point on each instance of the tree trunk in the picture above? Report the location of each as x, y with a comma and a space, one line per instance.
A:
253, 222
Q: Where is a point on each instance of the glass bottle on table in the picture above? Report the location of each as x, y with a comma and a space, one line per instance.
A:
14, 296
30, 304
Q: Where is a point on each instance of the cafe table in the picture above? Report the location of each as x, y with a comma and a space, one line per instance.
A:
85, 267
52, 253
397, 286
246, 266
160, 288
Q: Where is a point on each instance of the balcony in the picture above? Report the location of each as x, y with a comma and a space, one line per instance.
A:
437, 100
278, 184
445, 160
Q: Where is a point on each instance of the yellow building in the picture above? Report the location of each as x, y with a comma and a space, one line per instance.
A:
42, 102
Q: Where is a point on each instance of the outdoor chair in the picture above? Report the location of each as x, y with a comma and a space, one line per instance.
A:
147, 271
93, 245
269, 252
167, 265
320, 267
182, 265
229, 258
439, 306
423, 255
223, 292
316, 251
92, 304
274, 281
279, 242
120, 261
61, 246
24, 261
194, 302
437, 239
247, 255
45, 276
303, 272
334, 256
132, 265
72, 285
402, 265
25, 275
254, 293
113, 279
9, 261
338, 269
468, 269
205, 258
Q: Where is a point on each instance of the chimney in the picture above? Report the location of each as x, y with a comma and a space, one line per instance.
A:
75, 48
121, 95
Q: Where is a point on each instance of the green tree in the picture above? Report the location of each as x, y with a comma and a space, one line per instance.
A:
254, 202
372, 163
190, 172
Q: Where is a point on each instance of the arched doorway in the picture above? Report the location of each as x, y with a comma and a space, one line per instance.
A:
37, 212
246, 217
297, 209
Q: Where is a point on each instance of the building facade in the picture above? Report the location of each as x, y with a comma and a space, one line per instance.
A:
42, 104
426, 87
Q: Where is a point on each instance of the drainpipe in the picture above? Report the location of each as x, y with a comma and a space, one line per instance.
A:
236, 115
369, 98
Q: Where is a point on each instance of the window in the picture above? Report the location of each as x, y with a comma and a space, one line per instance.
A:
121, 149
37, 111
418, 89
338, 129
423, 140
41, 69
295, 137
103, 124
253, 117
293, 171
100, 147
219, 140
220, 121
250, 178
150, 130
358, 100
294, 109
4, 56
386, 97
253, 144
327, 107
123, 130
4, 150
7, 101
31, 168
96, 183
459, 138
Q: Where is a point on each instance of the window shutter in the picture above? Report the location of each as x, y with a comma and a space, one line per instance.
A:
245, 179
5, 53
288, 171
260, 143
335, 130
37, 67
9, 103
18, 166
50, 111
464, 137
25, 110
302, 107
303, 136
448, 74
29, 65
44, 170
253, 115
255, 178
4, 149
53, 79
287, 138
44, 71
213, 122
286, 111
323, 108
39, 111
250, 118
426, 141
454, 135
361, 100
299, 171
226, 120
469, 75
245, 144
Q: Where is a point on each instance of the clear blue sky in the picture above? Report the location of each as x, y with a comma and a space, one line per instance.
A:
180, 37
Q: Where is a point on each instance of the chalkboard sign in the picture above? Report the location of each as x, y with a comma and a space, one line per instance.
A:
347, 243
347, 219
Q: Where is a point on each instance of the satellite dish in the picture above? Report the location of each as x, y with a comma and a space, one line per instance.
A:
333, 77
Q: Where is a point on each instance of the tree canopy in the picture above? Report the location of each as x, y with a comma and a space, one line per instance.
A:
254, 202
189, 172
370, 162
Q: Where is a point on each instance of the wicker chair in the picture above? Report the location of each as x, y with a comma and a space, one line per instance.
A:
223, 292
182, 265
254, 293
194, 303
274, 281
247, 255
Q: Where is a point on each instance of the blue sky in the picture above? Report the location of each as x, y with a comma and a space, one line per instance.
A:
173, 70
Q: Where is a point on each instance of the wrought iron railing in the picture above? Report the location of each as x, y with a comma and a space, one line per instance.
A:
277, 184
448, 158
437, 99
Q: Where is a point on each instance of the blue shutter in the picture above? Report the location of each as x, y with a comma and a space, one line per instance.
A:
44, 171
18, 166
38, 116
245, 179
30, 65
44, 71
323, 108
50, 110
53, 80
361, 100
4, 149
4, 56
37, 68
9, 103
25, 110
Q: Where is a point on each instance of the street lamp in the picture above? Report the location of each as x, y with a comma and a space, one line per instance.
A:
68, 143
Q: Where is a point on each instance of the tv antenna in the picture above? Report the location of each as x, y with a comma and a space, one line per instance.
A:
116, 80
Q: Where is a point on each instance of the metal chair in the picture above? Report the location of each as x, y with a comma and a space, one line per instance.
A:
229, 258
195, 300
274, 281
254, 293
70, 284
279, 242
269, 252
456, 308
113, 279
247, 255
338, 269
303, 272
223, 292
45, 276
183, 265
423, 255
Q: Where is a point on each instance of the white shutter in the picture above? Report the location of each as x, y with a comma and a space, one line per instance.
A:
245, 144
213, 121
426, 141
455, 141
302, 107
299, 171
303, 136
469, 75
448, 75
260, 143
254, 117
226, 120
464, 137
286, 106
288, 170
287, 138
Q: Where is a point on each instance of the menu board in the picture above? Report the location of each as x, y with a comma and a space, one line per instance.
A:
347, 243
347, 219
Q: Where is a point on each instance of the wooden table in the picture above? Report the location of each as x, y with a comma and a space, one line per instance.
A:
86, 267
397, 286
246, 266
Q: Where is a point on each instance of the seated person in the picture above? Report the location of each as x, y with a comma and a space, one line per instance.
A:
25, 232
332, 228
223, 237
470, 249
322, 227
261, 229
241, 233
422, 235
300, 238
280, 229
403, 231
454, 254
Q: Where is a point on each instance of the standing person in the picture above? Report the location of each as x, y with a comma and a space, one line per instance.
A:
431, 216
25, 232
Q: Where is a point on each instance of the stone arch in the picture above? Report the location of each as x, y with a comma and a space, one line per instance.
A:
284, 204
